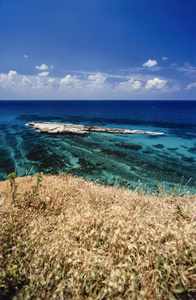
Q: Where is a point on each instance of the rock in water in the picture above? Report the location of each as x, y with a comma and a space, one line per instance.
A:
62, 128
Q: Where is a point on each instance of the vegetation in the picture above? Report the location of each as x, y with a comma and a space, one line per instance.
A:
11, 177
62, 237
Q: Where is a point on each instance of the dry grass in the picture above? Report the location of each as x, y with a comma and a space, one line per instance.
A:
79, 240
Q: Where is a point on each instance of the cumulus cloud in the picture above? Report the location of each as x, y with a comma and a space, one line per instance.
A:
97, 81
43, 74
156, 83
97, 77
165, 58
7, 79
129, 85
38, 84
42, 67
25, 81
18, 83
11, 74
191, 86
71, 81
87, 85
150, 63
67, 80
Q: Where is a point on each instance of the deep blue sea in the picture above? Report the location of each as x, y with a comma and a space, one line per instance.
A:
137, 161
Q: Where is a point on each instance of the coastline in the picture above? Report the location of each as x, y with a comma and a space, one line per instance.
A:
123, 159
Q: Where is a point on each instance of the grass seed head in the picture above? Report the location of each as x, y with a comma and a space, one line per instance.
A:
82, 240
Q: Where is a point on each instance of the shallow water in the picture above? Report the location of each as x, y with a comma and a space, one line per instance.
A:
135, 161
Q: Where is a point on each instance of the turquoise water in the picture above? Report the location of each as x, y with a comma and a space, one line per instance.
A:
135, 161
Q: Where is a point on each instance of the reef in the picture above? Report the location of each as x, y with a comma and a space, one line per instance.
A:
63, 128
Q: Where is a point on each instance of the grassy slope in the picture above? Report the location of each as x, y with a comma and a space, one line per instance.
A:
76, 239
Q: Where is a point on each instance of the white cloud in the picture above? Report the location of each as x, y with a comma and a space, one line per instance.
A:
7, 79
172, 89
38, 84
67, 80
150, 63
165, 58
97, 81
175, 88
25, 81
156, 83
2, 76
100, 78
42, 67
71, 81
25, 56
88, 85
43, 74
11, 74
191, 86
188, 70
129, 85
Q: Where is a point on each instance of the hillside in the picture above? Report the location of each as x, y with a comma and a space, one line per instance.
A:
63, 237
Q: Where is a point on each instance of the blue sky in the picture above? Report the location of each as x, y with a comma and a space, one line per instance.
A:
98, 49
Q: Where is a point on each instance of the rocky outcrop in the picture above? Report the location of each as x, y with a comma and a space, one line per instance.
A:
62, 128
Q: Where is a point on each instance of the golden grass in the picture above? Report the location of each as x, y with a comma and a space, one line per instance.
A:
81, 240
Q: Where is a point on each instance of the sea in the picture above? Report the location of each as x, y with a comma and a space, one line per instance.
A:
141, 162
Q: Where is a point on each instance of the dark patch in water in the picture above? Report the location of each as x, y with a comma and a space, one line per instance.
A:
169, 170
151, 167
172, 149
37, 153
7, 165
180, 131
188, 159
99, 164
146, 152
159, 146
114, 153
86, 165
46, 160
131, 146
192, 150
